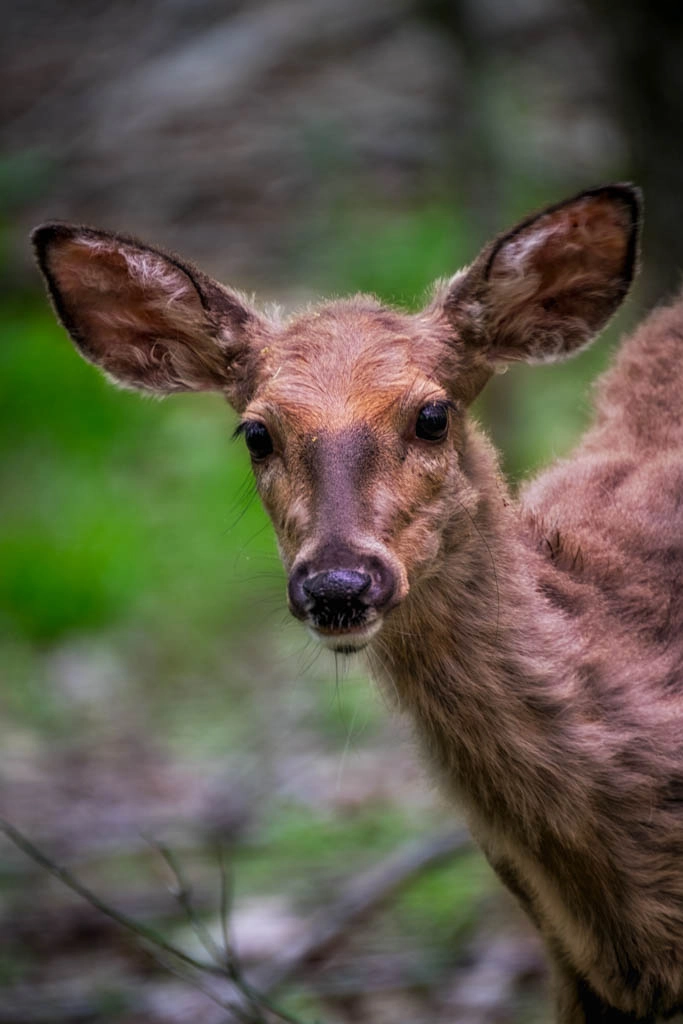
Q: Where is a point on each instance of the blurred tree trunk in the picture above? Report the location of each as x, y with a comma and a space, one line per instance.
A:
646, 41
475, 168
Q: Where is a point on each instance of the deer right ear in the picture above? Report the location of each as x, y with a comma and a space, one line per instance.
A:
147, 319
543, 290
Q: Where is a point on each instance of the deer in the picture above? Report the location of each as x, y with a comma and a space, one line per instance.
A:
536, 641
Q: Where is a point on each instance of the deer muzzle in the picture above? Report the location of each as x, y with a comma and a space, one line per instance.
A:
342, 605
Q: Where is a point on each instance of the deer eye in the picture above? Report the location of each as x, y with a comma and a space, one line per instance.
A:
259, 441
432, 422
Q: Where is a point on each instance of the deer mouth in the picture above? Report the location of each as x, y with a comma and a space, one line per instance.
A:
346, 640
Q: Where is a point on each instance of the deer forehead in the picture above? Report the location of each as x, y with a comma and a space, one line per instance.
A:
345, 364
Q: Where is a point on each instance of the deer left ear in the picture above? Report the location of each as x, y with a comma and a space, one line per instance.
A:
543, 290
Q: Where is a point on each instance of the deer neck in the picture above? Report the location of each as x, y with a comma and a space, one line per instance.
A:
478, 657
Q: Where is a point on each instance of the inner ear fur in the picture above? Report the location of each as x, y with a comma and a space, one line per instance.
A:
148, 319
543, 290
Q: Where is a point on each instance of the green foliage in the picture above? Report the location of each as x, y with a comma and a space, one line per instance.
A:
108, 501
394, 254
467, 881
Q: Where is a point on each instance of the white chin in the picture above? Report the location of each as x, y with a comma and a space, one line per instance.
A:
350, 640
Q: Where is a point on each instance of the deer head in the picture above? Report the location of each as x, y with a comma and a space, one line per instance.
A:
355, 414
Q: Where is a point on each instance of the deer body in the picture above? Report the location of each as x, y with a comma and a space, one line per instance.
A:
537, 643
549, 699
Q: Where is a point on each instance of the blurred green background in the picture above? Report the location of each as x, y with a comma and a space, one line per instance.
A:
151, 682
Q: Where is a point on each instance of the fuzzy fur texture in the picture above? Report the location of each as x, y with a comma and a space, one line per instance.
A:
537, 643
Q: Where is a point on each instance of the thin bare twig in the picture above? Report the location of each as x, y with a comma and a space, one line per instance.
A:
185, 975
224, 959
183, 894
73, 883
362, 896
251, 1004
227, 892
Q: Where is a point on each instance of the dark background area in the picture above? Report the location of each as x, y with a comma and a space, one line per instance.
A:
151, 684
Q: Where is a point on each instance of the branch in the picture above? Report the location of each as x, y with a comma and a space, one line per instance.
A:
251, 999
183, 894
73, 883
250, 1003
362, 896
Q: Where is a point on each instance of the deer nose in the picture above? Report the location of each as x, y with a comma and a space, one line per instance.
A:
334, 597
336, 586
338, 597
331, 598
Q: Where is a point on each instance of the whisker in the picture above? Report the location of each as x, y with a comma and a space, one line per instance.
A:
345, 751
250, 540
244, 499
317, 649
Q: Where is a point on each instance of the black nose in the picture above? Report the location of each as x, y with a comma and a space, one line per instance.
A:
332, 598
336, 586
337, 596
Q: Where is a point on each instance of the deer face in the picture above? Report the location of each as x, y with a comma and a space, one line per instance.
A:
355, 446
354, 414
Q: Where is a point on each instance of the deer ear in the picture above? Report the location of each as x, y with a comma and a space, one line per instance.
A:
147, 319
542, 291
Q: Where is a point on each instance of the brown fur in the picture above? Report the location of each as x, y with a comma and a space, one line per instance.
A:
537, 643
